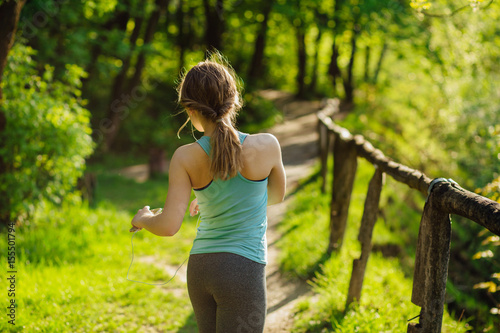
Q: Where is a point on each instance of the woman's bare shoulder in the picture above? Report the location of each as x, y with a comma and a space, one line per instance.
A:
263, 139
188, 151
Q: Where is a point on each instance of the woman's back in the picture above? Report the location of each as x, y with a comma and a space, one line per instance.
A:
233, 212
258, 155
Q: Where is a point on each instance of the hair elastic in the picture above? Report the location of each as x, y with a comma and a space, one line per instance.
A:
220, 120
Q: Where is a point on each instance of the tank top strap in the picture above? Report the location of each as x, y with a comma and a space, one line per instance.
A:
242, 136
204, 141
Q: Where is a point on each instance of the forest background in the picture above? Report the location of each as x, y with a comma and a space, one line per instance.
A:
92, 84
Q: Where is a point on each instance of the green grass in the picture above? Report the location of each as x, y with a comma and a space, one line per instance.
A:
72, 262
385, 304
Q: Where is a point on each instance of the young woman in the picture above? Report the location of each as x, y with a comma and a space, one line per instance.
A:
234, 177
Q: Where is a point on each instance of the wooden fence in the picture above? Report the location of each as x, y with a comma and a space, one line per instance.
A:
444, 197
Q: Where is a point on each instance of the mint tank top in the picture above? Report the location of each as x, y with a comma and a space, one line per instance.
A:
233, 215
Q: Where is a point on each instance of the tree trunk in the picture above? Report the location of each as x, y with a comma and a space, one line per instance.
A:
301, 55
379, 63
9, 16
126, 94
367, 64
256, 68
348, 79
214, 25
333, 68
109, 125
314, 75
161, 7
157, 162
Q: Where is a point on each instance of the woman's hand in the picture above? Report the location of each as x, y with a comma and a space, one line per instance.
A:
194, 208
138, 220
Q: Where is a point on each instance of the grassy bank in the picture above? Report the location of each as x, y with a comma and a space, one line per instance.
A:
72, 262
386, 296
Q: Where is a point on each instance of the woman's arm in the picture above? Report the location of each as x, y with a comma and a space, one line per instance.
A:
276, 183
179, 192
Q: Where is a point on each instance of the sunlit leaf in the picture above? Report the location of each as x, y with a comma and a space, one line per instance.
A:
483, 254
491, 239
420, 4
491, 286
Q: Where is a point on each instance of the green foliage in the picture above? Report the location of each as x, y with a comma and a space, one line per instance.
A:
281, 62
403, 123
488, 250
467, 76
491, 190
47, 137
153, 121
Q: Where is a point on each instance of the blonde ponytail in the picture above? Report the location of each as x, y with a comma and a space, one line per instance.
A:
225, 156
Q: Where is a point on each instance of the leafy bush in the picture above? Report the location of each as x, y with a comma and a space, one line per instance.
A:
47, 137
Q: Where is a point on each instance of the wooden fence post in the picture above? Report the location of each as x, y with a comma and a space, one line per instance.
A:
344, 171
431, 268
368, 220
324, 150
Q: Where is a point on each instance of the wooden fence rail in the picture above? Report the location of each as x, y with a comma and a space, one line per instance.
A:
444, 197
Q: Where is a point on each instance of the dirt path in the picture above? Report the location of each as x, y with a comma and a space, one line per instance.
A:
298, 139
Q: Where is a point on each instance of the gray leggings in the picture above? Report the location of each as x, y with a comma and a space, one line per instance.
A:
228, 293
